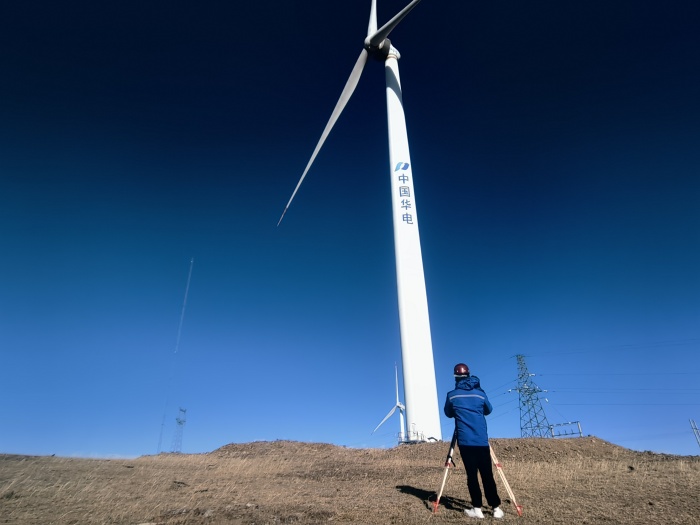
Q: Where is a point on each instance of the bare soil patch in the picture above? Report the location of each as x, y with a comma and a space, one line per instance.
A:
582, 480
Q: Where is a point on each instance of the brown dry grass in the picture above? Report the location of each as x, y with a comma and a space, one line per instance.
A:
582, 480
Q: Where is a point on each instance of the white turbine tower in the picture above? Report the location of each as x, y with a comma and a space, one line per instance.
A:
402, 409
420, 389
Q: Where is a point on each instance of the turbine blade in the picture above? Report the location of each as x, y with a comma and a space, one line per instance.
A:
391, 413
372, 27
348, 90
379, 36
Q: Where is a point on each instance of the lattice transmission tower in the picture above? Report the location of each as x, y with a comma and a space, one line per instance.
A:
180, 421
533, 421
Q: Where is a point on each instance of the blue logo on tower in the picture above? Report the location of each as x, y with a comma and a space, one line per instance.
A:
406, 199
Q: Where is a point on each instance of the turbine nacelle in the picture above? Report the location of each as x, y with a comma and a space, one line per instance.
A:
381, 51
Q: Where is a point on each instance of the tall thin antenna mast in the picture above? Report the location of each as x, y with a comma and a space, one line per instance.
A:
177, 348
695, 430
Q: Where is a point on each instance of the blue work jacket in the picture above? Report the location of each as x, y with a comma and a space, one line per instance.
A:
468, 404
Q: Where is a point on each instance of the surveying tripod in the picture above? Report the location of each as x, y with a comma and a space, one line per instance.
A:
449, 462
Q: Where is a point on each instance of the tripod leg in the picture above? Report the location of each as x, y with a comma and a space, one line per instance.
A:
518, 508
447, 470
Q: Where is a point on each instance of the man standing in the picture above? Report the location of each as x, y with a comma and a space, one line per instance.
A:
468, 404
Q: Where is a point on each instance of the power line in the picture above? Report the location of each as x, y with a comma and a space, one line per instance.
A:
627, 404
622, 347
621, 389
511, 400
501, 414
501, 386
619, 374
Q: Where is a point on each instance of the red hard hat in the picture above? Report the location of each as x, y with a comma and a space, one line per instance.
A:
461, 370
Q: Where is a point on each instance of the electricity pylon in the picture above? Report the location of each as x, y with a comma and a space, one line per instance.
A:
533, 421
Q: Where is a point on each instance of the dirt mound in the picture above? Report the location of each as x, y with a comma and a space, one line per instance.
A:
547, 449
576, 480
276, 448
518, 449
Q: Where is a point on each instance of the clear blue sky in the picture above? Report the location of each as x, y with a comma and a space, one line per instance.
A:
555, 150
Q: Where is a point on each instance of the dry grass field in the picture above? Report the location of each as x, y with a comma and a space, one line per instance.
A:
581, 481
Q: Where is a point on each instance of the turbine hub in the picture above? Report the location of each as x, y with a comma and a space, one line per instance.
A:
381, 51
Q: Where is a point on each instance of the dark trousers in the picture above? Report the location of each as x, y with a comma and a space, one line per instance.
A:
477, 460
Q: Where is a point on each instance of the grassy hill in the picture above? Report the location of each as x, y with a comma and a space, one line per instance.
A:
579, 480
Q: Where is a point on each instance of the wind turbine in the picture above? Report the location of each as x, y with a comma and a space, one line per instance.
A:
400, 406
420, 389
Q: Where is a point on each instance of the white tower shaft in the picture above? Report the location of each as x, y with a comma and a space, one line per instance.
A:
420, 388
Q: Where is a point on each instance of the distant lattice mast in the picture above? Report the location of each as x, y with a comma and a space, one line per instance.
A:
695, 430
533, 421
180, 421
177, 440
